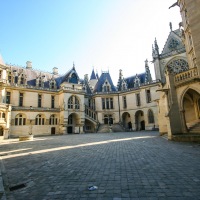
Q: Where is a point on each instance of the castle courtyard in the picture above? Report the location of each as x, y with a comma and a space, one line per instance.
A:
123, 165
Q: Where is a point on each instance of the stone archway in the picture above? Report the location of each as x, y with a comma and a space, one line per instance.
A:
191, 107
73, 123
139, 120
126, 121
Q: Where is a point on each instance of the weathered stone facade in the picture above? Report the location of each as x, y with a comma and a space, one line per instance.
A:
39, 103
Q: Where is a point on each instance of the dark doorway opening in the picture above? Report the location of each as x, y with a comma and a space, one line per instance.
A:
53, 130
69, 129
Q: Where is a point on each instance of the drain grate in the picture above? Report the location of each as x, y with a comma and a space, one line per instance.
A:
17, 187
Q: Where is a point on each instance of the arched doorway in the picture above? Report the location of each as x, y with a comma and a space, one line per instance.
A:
191, 107
73, 122
126, 120
139, 120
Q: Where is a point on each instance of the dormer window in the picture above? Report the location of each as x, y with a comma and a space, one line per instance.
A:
9, 77
137, 81
106, 87
40, 82
52, 84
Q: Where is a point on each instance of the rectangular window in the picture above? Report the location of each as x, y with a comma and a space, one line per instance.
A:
124, 101
39, 100
138, 103
9, 77
148, 96
8, 97
89, 103
16, 79
94, 107
108, 89
103, 103
21, 96
107, 103
111, 103
52, 101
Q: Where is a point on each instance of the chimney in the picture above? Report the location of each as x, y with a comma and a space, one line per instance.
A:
86, 77
28, 65
55, 71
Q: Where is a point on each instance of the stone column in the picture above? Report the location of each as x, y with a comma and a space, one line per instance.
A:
182, 115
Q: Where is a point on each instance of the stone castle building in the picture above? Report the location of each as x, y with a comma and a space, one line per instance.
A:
40, 103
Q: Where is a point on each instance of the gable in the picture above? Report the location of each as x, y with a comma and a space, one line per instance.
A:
173, 44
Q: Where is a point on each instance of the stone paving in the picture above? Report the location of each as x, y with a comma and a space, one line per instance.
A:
133, 165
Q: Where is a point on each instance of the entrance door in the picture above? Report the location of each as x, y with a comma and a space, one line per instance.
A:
1, 131
53, 130
69, 129
142, 125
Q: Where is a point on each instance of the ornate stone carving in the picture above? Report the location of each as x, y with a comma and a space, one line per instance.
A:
177, 66
173, 44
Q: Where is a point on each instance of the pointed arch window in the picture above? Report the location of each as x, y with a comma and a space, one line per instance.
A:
150, 117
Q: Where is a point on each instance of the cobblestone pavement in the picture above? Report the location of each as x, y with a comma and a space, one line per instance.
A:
133, 165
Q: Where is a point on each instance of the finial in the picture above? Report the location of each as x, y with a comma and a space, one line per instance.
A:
170, 25
146, 63
73, 65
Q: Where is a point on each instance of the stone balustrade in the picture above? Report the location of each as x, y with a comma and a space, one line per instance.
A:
186, 76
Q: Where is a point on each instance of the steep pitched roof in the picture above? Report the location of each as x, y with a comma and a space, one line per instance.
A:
93, 76
131, 80
71, 76
173, 43
104, 76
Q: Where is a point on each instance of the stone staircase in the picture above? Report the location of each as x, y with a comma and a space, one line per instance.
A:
194, 128
117, 128
192, 136
105, 128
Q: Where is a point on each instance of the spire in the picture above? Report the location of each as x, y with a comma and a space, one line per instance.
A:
97, 76
120, 74
93, 76
146, 64
156, 49
119, 83
73, 66
170, 25
147, 72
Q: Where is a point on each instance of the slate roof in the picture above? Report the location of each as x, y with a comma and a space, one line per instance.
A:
93, 76
131, 80
104, 76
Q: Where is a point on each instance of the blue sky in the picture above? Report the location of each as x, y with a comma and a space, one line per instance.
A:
100, 34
